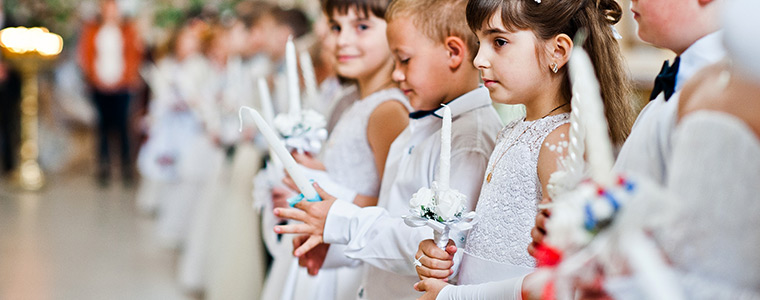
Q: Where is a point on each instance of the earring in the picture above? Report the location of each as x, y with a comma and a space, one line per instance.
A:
555, 68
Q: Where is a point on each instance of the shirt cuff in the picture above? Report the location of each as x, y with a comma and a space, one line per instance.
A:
338, 223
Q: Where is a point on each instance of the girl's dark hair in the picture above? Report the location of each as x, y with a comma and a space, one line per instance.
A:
552, 17
363, 7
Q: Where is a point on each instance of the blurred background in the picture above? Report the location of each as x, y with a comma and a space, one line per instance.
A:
73, 125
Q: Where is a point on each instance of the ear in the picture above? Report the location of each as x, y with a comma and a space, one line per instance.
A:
456, 50
560, 48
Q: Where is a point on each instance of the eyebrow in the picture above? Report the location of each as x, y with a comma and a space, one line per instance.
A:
488, 31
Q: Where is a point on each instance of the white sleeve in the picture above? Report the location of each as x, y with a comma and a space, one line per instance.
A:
509, 289
375, 237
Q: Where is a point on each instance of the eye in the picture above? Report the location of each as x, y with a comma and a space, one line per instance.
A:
499, 42
404, 61
335, 28
362, 27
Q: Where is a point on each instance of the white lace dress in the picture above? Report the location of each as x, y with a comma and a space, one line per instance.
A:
496, 248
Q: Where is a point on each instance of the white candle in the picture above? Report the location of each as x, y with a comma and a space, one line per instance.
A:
291, 69
598, 142
281, 152
309, 78
445, 163
266, 101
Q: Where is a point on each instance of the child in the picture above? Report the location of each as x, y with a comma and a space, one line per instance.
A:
524, 46
433, 49
693, 35
355, 154
688, 28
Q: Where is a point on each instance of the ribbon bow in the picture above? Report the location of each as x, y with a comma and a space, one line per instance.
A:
666, 80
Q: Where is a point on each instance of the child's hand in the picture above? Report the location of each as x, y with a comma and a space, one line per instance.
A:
313, 216
539, 231
307, 160
313, 259
431, 287
434, 262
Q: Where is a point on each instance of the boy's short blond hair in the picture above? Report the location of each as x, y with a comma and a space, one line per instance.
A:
437, 19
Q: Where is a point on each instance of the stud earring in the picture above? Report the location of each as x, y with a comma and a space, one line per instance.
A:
555, 68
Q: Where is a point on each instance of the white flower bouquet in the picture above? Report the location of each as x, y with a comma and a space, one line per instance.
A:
440, 206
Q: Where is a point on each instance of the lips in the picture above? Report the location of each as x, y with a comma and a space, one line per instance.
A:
344, 58
488, 82
406, 91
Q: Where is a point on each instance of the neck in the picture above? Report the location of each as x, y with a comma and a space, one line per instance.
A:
543, 105
376, 80
463, 82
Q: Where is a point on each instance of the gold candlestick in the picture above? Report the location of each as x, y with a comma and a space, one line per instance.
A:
29, 49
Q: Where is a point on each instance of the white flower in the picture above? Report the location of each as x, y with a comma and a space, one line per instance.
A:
450, 204
286, 125
421, 201
313, 120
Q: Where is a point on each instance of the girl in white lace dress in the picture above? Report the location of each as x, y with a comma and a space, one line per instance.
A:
524, 47
354, 155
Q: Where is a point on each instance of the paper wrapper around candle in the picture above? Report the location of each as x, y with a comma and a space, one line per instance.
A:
276, 146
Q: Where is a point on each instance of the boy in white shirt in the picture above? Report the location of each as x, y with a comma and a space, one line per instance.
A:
434, 48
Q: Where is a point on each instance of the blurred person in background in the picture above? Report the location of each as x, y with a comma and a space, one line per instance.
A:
10, 97
110, 53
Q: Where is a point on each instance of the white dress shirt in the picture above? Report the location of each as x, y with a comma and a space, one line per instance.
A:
377, 235
648, 147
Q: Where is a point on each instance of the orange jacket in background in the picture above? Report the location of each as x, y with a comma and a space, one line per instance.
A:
133, 52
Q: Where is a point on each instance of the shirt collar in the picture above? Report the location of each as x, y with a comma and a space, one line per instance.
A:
705, 51
471, 100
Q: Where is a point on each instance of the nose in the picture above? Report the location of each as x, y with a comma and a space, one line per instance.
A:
397, 75
345, 37
481, 59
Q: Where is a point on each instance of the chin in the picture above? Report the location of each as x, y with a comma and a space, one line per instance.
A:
347, 71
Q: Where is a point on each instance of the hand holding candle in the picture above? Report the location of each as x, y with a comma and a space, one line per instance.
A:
279, 150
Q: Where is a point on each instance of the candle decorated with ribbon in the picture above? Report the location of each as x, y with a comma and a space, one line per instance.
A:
309, 77
445, 162
276, 146
291, 69
598, 143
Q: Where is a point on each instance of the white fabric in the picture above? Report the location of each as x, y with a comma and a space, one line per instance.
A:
648, 147
739, 23
711, 235
510, 289
348, 157
503, 233
109, 54
175, 135
377, 235
236, 256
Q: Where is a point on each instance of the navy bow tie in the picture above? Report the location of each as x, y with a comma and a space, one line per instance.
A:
422, 113
666, 80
